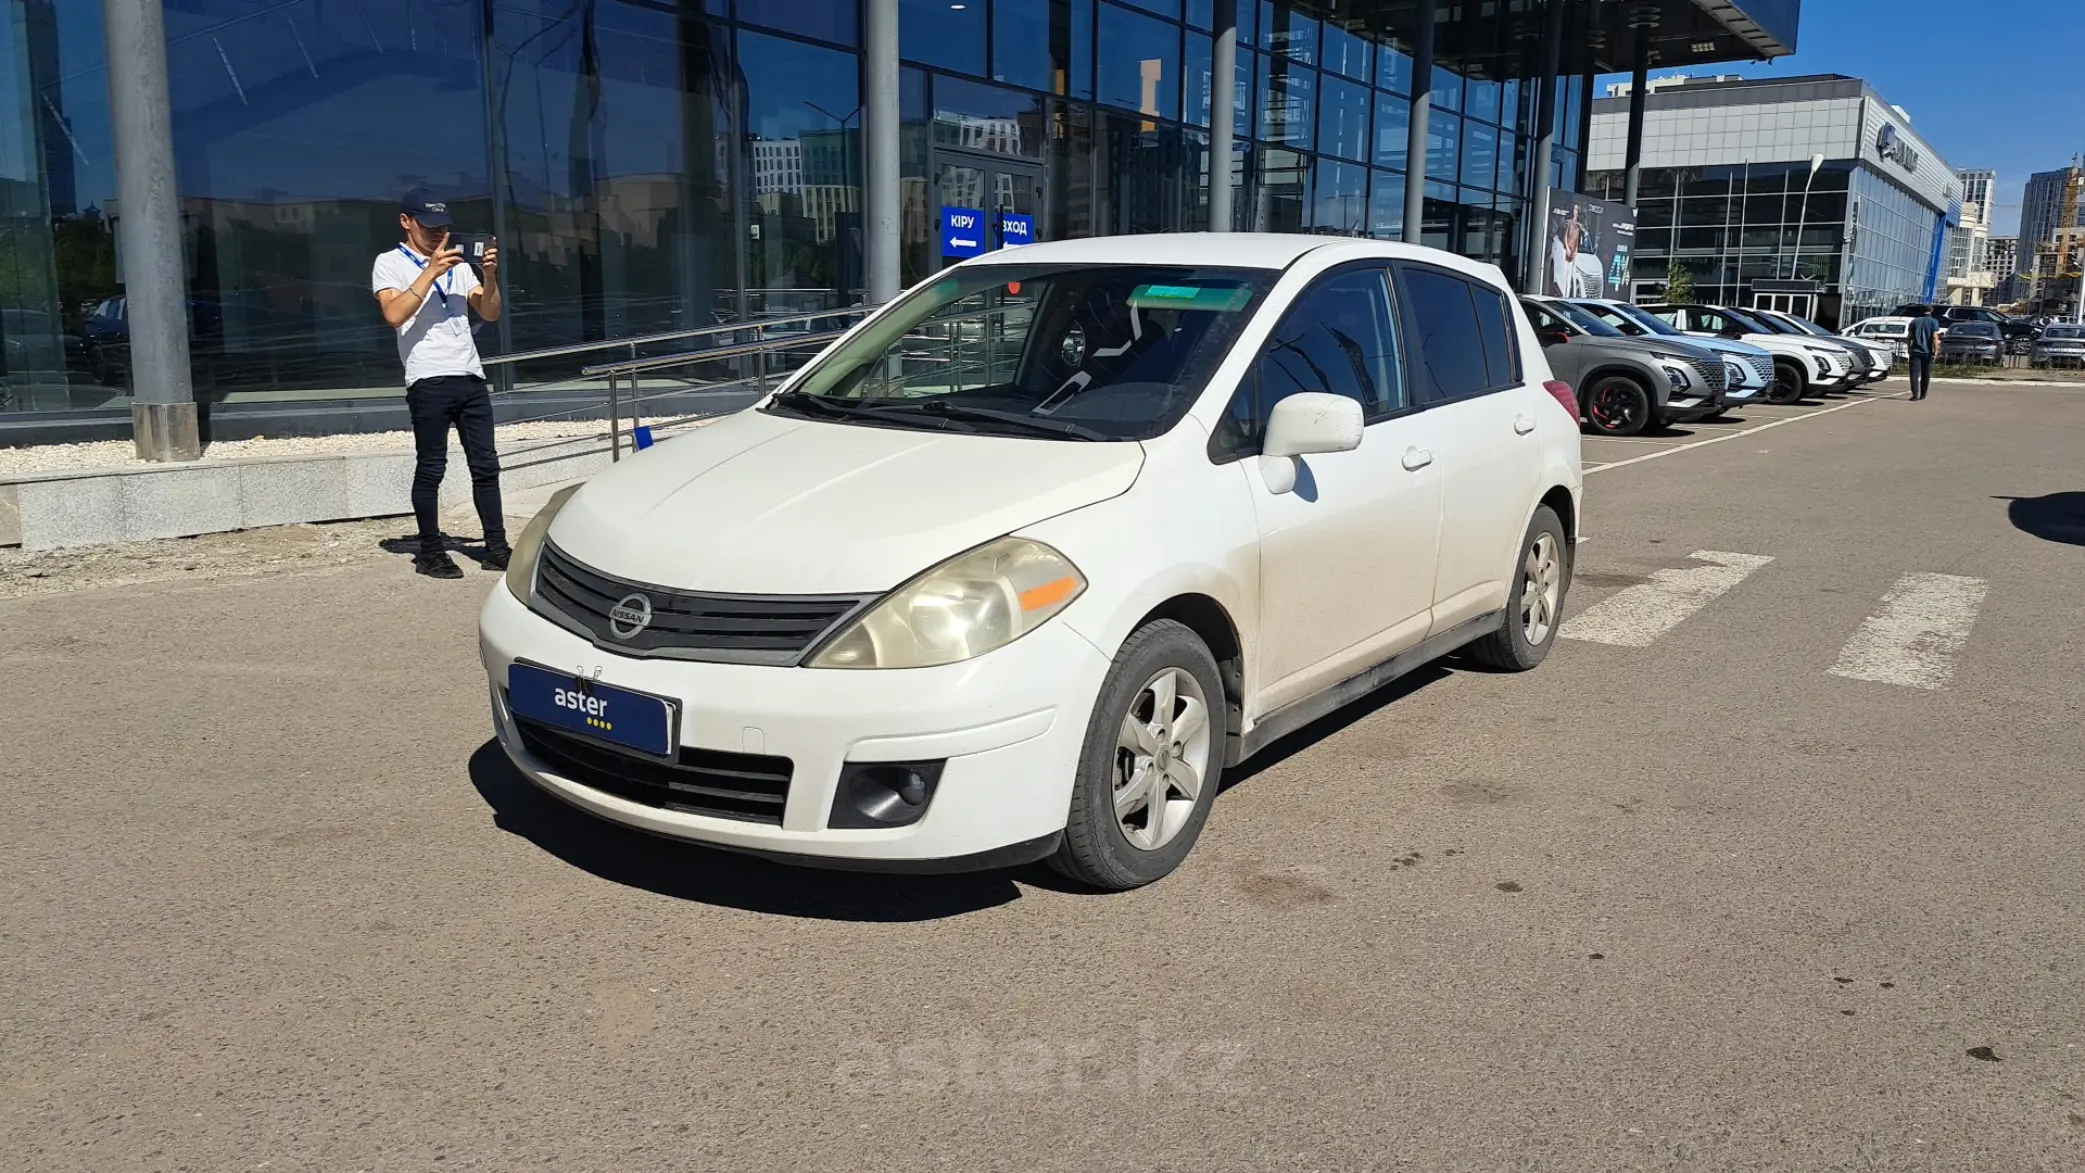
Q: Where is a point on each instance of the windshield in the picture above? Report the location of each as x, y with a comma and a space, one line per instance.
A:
1640, 316
1974, 330
1582, 318
1089, 352
1807, 326
1758, 325
2064, 332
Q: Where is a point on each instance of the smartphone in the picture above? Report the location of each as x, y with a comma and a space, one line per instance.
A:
473, 245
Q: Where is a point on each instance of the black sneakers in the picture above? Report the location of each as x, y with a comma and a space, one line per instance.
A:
436, 565
497, 557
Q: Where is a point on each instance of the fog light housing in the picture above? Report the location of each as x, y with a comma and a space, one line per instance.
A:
883, 794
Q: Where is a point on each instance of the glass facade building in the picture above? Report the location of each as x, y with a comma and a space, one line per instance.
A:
661, 165
1729, 193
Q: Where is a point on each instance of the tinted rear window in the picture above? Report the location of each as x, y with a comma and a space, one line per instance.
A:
1500, 355
1453, 342
1974, 330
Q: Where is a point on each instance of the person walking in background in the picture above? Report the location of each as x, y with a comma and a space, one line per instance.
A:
1922, 342
427, 293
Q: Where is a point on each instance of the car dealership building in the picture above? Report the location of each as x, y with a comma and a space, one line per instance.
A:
189, 236
1813, 195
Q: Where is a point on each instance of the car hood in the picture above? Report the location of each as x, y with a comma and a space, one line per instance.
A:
1729, 347
764, 504
1689, 349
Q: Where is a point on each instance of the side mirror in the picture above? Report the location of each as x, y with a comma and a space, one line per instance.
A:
1303, 425
1555, 337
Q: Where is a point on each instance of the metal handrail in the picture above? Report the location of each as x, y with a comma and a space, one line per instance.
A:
673, 335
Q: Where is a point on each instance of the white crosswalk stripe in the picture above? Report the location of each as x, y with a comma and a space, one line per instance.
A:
1914, 636
1641, 613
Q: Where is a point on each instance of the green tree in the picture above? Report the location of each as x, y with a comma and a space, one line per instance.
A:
1679, 283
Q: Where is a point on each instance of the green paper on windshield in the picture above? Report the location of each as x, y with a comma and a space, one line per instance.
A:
1222, 299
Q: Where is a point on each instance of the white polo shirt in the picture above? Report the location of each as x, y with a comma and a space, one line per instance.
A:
436, 340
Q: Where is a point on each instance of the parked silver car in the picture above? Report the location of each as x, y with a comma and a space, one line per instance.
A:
1751, 373
1626, 384
2062, 344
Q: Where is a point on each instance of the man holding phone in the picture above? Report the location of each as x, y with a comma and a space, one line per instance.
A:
427, 288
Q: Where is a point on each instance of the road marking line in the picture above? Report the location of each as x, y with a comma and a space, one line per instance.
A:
1734, 435
1642, 613
1913, 637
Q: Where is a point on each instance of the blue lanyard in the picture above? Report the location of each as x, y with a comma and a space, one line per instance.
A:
448, 279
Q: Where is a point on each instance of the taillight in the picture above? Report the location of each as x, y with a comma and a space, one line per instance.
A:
1564, 395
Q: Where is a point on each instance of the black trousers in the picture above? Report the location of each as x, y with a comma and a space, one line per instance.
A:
436, 405
1921, 375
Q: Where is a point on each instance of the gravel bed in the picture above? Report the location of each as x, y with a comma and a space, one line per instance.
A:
119, 454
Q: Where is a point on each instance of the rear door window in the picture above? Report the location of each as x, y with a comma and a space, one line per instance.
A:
1501, 354
1450, 340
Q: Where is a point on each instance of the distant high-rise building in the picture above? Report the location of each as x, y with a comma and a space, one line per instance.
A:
1969, 279
2041, 209
2005, 262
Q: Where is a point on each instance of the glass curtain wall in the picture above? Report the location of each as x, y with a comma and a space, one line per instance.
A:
1866, 241
659, 165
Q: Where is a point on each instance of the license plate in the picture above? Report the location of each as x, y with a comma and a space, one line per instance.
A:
603, 712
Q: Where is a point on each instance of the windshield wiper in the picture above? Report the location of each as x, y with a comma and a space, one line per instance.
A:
963, 411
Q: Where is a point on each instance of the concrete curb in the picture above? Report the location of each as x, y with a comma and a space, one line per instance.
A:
57, 510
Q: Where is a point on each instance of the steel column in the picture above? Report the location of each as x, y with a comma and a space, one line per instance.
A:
1422, 115
163, 411
1223, 114
880, 146
1545, 145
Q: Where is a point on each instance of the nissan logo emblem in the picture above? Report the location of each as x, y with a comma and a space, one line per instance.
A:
629, 616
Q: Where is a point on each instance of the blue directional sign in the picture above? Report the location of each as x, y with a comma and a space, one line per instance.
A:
1014, 230
962, 232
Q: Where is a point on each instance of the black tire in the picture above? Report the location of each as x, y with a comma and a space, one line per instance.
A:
1097, 850
1513, 648
1791, 384
1617, 405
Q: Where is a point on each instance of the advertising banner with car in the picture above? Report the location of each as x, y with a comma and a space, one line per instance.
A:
1589, 243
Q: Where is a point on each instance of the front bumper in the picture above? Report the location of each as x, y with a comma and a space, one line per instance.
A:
1008, 727
1973, 354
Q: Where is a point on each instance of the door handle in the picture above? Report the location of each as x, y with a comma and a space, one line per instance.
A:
1523, 424
1416, 459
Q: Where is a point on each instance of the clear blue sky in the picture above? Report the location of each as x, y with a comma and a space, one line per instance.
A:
1997, 84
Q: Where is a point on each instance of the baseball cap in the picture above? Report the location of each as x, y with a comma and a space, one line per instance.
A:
421, 205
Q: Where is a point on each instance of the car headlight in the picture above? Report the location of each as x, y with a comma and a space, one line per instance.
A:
1675, 373
528, 548
963, 608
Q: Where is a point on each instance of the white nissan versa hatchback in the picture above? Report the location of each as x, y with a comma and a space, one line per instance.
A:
1016, 567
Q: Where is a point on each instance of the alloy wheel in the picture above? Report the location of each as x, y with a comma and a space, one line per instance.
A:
1162, 758
1541, 589
1615, 408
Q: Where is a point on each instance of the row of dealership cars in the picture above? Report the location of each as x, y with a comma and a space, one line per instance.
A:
1635, 367
1978, 336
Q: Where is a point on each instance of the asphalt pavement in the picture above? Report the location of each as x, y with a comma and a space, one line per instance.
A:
1775, 865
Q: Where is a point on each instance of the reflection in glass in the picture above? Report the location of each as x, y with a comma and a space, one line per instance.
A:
1282, 191
1043, 45
828, 20
803, 104
1443, 146
1386, 207
1394, 69
944, 33
1480, 155
1340, 203
1393, 131
1288, 93
1347, 52
1447, 90
1481, 100
1139, 63
1287, 33
1343, 119
970, 116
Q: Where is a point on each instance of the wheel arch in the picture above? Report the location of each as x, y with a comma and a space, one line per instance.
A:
1212, 624
1635, 374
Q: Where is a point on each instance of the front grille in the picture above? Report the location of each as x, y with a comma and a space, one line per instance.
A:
1763, 365
1711, 374
688, 625
749, 787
